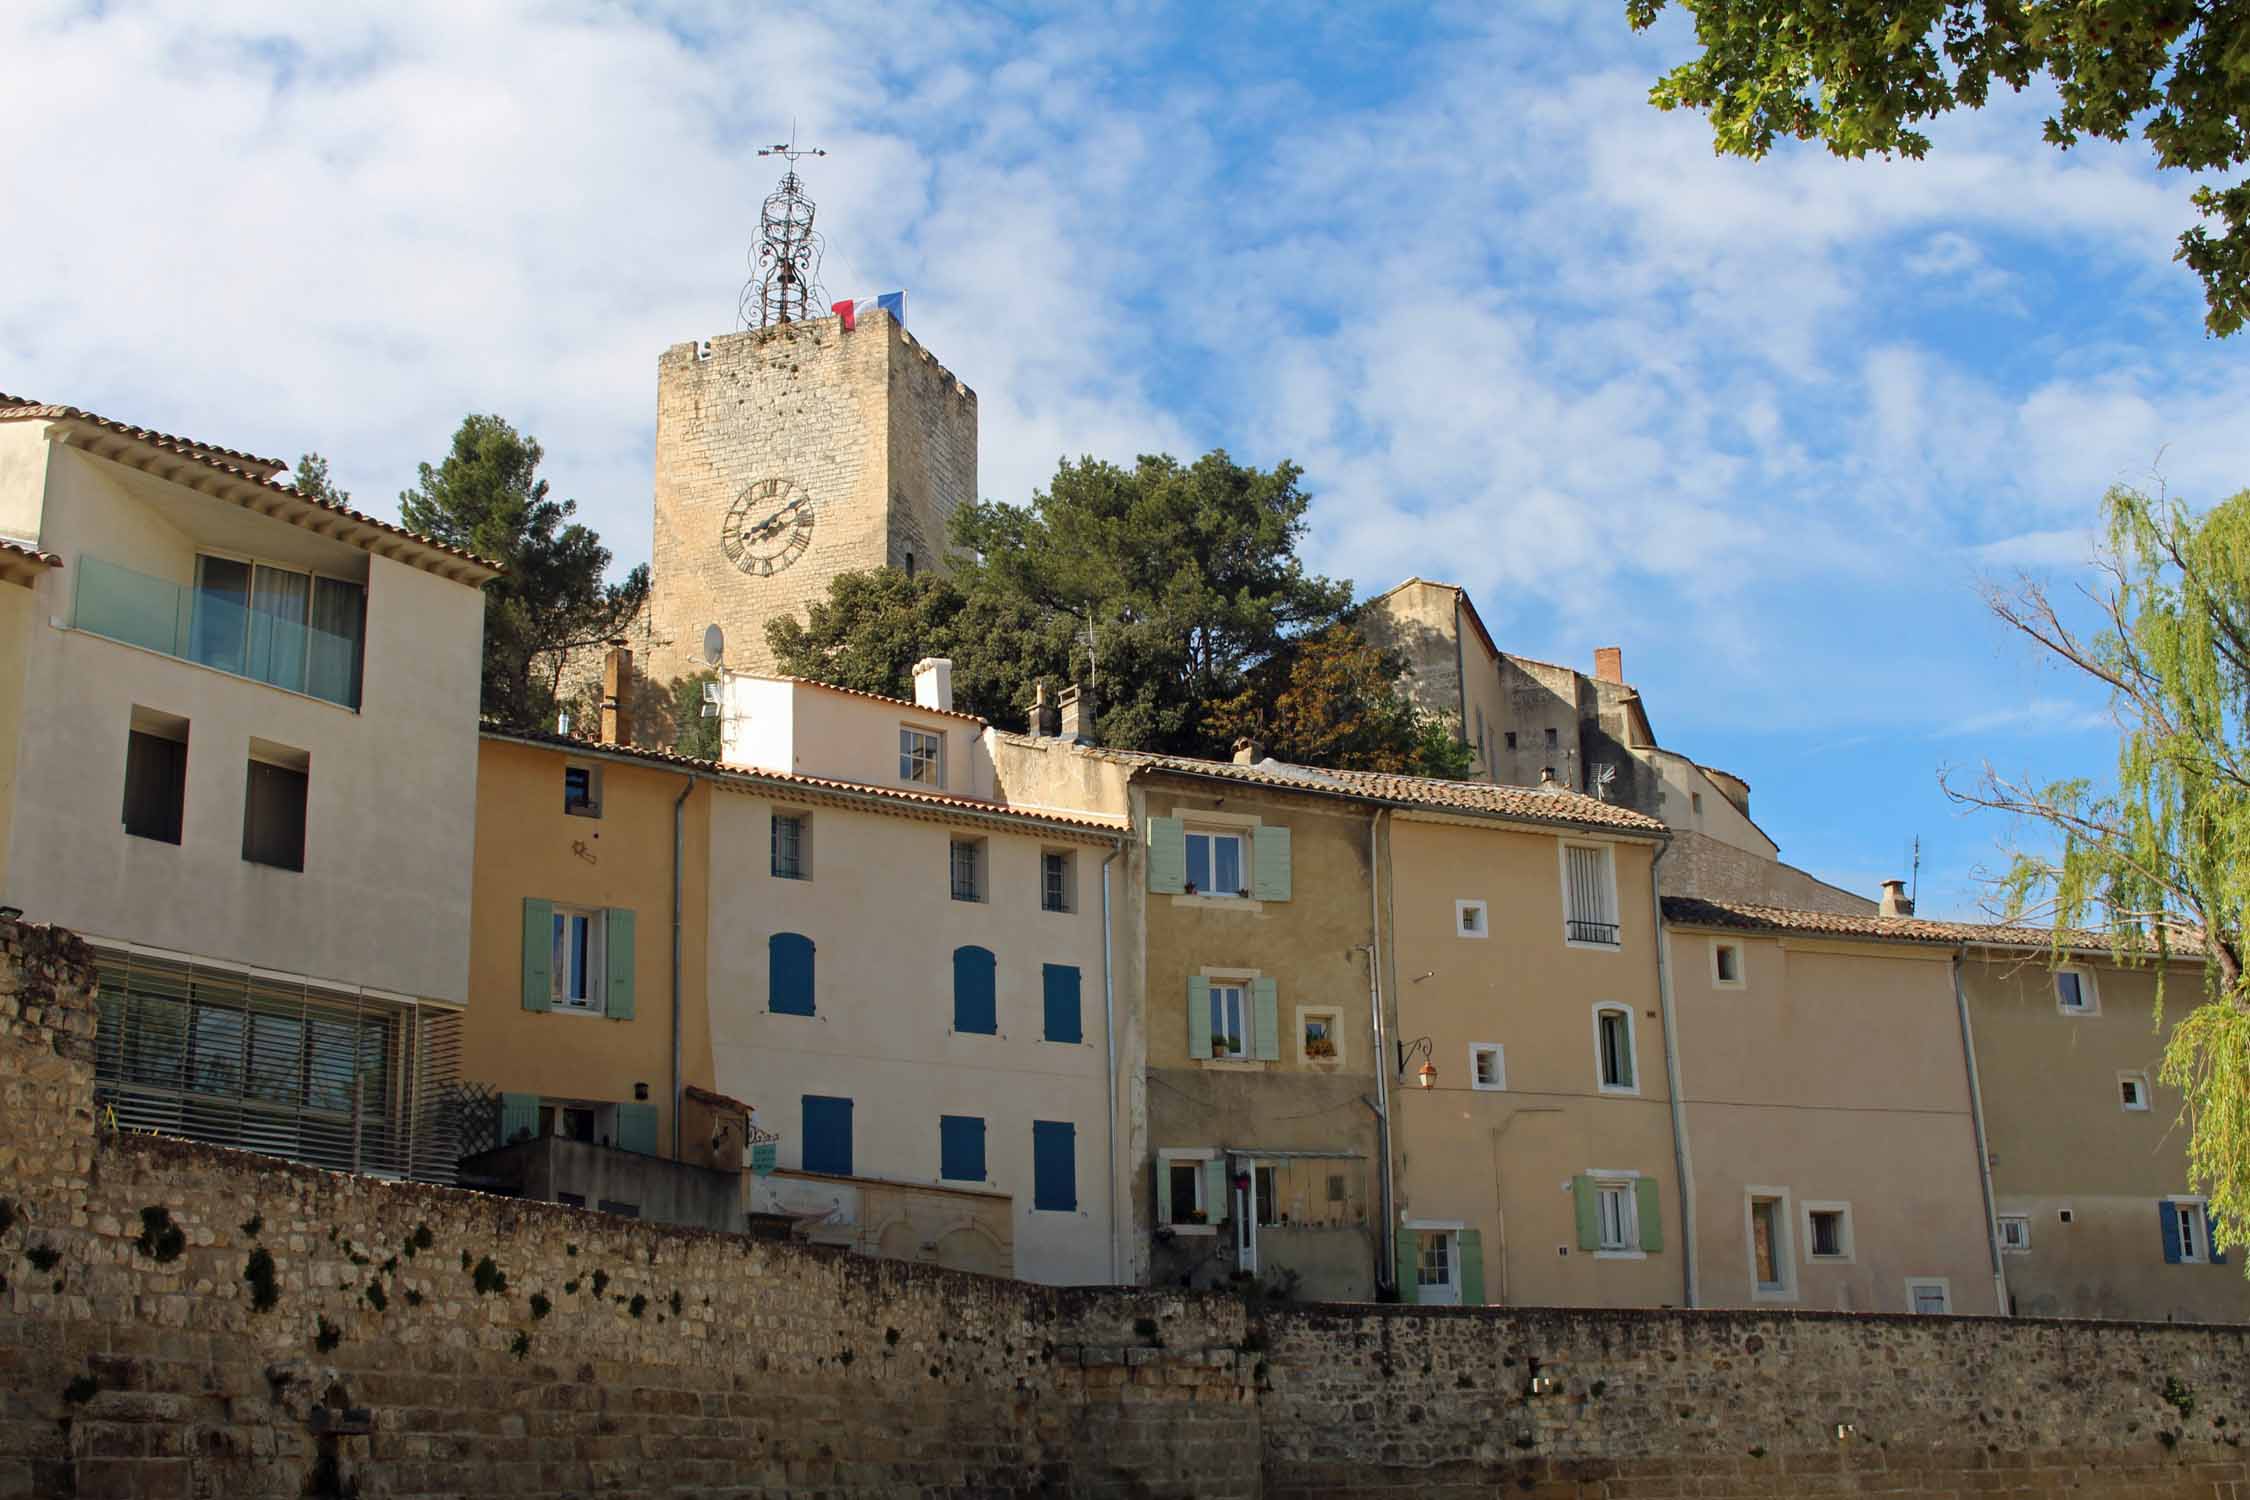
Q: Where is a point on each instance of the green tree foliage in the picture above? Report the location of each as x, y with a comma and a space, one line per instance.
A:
311, 479
2159, 863
1860, 78
691, 731
487, 496
1334, 699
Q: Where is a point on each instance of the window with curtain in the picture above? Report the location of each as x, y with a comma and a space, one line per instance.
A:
293, 629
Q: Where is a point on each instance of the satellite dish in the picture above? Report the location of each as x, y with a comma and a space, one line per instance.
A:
714, 645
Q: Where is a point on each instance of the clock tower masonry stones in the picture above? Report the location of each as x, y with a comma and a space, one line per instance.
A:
879, 438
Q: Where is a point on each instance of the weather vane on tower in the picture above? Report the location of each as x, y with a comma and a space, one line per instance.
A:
784, 285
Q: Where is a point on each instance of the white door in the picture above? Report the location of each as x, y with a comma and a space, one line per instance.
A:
1437, 1268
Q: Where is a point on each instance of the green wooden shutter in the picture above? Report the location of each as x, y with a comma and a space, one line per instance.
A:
1650, 1214
617, 1001
1199, 1016
1589, 1210
1218, 1198
1270, 864
538, 953
1167, 856
1266, 1000
1163, 1192
1409, 1258
519, 1116
1471, 1245
636, 1128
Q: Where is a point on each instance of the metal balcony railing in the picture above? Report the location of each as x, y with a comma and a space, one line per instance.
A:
1583, 931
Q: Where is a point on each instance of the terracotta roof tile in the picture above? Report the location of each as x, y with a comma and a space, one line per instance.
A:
25, 550
246, 467
1476, 797
1690, 911
714, 1099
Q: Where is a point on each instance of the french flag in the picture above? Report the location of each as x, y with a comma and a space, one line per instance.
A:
893, 303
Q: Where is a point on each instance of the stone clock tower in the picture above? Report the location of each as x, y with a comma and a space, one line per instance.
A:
787, 455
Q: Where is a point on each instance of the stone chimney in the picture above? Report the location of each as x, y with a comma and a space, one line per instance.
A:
1248, 752
1896, 903
1045, 722
617, 689
1077, 705
933, 683
1609, 664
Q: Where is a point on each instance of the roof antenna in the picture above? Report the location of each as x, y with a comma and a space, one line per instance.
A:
1914, 885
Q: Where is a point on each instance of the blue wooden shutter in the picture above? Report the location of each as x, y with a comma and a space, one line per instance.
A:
538, 953
2168, 1218
974, 1007
519, 1116
789, 974
827, 1143
1265, 1000
1199, 1016
1054, 1166
1647, 1210
961, 1148
636, 1128
1270, 864
617, 1002
1060, 982
1470, 1244
1167, 856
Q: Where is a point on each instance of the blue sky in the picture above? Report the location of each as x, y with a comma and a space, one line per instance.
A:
1763, 426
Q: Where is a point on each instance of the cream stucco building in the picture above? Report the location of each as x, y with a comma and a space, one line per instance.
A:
244, 764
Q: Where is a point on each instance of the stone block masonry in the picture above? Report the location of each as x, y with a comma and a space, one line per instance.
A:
182, 1321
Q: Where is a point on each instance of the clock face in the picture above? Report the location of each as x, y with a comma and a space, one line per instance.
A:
768, 527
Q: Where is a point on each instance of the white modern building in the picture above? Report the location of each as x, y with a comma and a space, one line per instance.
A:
242, 726
908, 981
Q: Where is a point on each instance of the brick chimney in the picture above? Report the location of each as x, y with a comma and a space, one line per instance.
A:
1248, 752
1609, 664
1896, 903
1077, 706
933, 683
617, 688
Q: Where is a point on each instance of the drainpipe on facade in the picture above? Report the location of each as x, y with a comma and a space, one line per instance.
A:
1109, 1033
1984, 1152
1690, 1288
679, 860
1387, 1262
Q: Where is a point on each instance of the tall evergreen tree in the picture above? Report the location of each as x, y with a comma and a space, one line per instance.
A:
312, 480
486, 496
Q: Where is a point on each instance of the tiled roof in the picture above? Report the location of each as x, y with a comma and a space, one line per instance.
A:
920, 708
1690, 911
21, 563
1475, 797
244, 467
714, 1099
743, 775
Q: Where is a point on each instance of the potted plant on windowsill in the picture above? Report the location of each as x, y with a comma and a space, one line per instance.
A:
1196, 1216
1319, 1046
1244, 893
1222, 1045
1191, 887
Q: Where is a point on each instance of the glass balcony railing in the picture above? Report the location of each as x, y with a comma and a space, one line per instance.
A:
218, 630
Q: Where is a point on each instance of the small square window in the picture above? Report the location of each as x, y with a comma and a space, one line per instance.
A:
1929, 1295
273, 810
1336, 1187
1828, 1234
1726, 964
2015, 1233
791, 847
1470, 919
1056, 884
1321, 1035
582, 791
1510, 737
1488, 1066
968, 869
2132, 1091
1550, 739
2074, 992
1215, 865
921, 757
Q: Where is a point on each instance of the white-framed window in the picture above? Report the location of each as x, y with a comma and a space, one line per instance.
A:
578, 1120
1726, 964
2193, 1227
1617, 1212
1828, 1232
1471, 920
2015, 1233
1058, 885
1616, 1068
1433, 1266
1230, 1015
2132, 1091
1773, 1259
792, 846
582, 791
921, 756
1320, 1034
1488, 1066
1183, 1177
1589, 879
1216, 863
2075, 994
1929, 1295
966, 867
579, 968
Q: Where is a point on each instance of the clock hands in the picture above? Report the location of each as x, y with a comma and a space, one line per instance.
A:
773, 523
